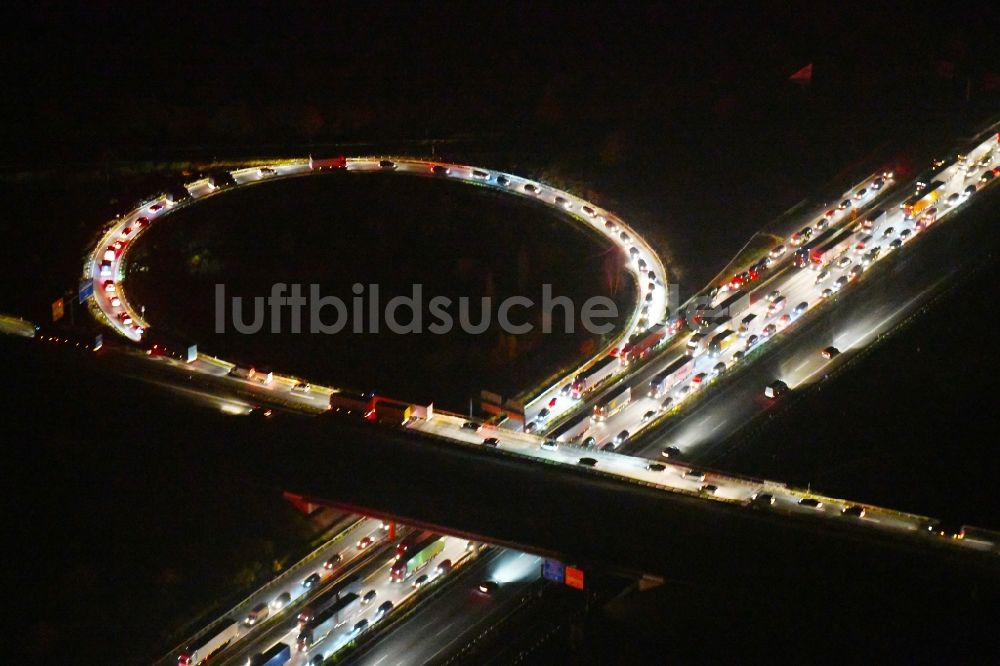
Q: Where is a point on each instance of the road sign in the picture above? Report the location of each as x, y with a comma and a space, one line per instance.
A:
86, 290
554, 570
192, 354
57, 309
574, 577
489, 402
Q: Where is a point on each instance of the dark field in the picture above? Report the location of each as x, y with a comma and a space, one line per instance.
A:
394, 231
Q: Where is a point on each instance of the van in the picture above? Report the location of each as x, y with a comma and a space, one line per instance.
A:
257, 614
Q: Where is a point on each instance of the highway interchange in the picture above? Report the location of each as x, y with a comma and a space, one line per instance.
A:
700, 413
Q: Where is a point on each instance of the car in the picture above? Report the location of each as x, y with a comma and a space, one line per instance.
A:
590, 443
156, 207
311, 580
775, 389
125, 232
480, 174
839, 284
109, 287
888, 232
954, 199
384, 608
333, 562
800, 308
443, 567
811, 502
552, 402
821, 224
491, 441
649, 298
420, 581
531, 188
440, 170
826, 293
861, 194
317, 660
671, 452
947, 530
878, 183
655, 467
530, 427
862, 244
830, 352
987, 176
853, 511
141, 222
685, 390
895, 244
769, 330
699, 378
365, 542
905, 234
773, 296
301, 387
752, 340
610, 226
470, 425
805, 233
718, 368
776, 251
694, 475
588, 211
855, 272
970, 190
845, 204
641, 265
503, 180
785, 320
266, 171
587, 462
843, 262
624, 237
257, 614
487, 587
115, 302
762, 499
281, 601
709, 489
667, 403
564, 202
544, 413
829, 215
369, 597
360, 625
648, 416
822, 276
550, 445
738, 356
620, 438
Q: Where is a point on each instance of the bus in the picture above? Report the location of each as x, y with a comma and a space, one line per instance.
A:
416, 559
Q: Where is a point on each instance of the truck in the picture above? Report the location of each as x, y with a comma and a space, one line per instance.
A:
320, 603
219, 179
321, 626
242, 371
324, 163
416, 559
746, 325
611, 405
721, 342
802, 255
823, 255
873, 220
640, 344
278, 654
676, 372
928, 218
589, 378
217, 637
913, 206
411, 540
708, 319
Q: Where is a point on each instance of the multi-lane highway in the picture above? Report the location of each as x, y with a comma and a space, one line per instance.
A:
772, 335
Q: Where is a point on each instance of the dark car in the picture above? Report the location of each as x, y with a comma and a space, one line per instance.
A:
334, 562
763, 499
854, 511
440, 170
360, 625
369, 597
387, 164
384, 608
470, 425
419, 582
830, 352
621, 438
491, 441
588, 462
671, 452
310, 580
589, 442
656, 467
810, 502
488, 587
503, 180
